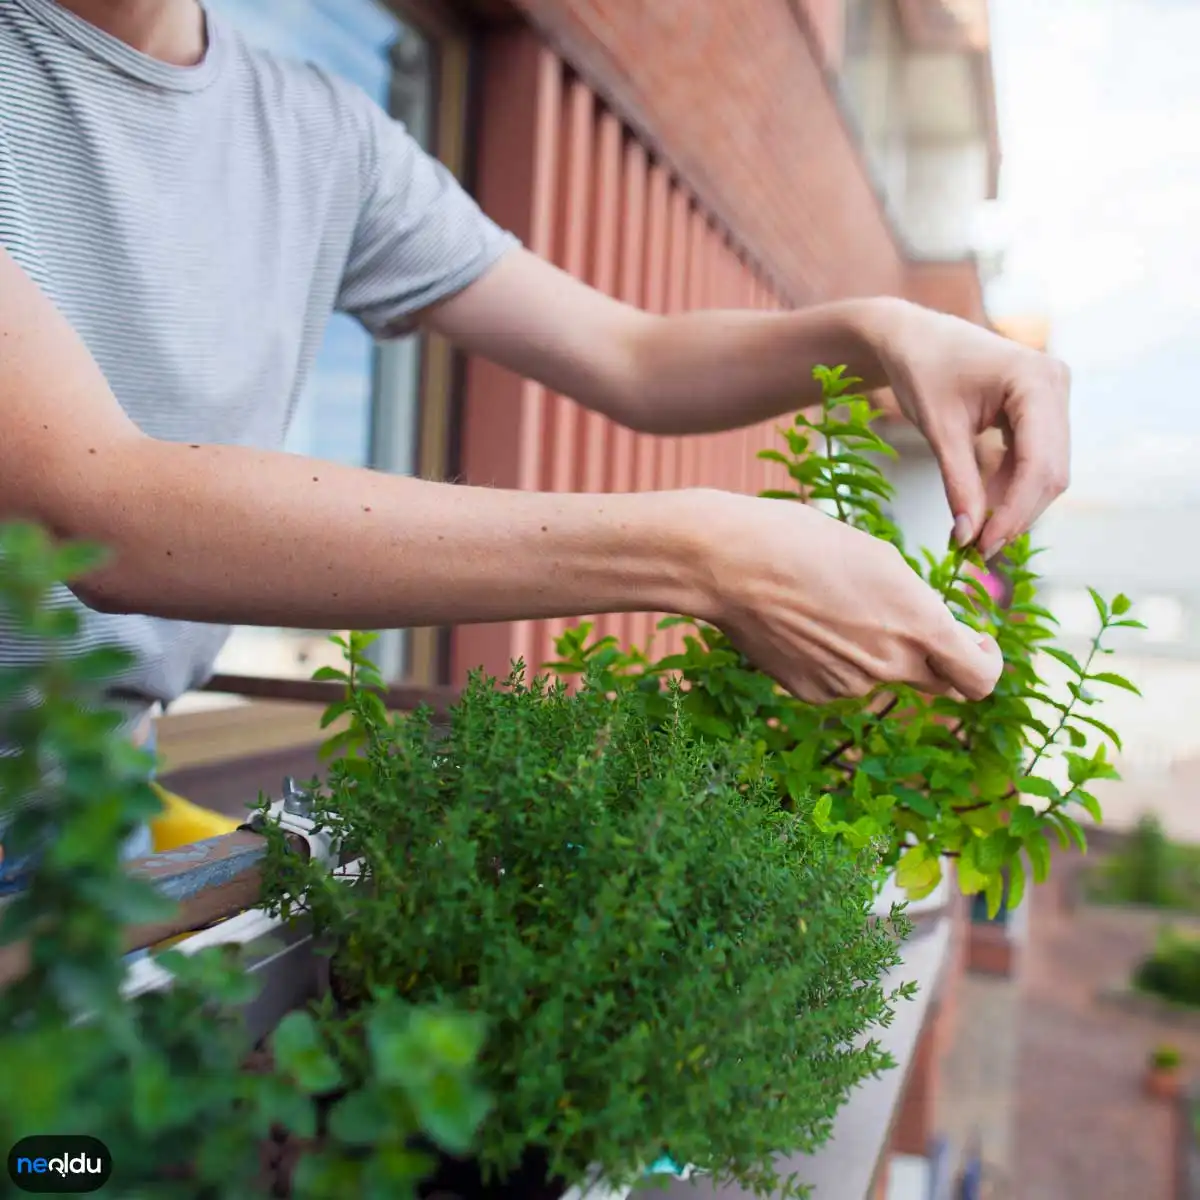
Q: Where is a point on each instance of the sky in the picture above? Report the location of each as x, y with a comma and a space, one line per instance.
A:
1099, 104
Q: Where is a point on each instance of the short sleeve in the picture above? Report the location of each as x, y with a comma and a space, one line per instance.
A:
419, 238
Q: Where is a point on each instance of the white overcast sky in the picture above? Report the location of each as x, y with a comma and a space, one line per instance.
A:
1100, 211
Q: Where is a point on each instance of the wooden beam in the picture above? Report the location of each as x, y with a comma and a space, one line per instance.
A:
211, 881
398, 697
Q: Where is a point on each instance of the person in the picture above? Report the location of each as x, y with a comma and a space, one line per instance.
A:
179, 216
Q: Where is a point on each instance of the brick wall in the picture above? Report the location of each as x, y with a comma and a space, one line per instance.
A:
736, 98
559, 168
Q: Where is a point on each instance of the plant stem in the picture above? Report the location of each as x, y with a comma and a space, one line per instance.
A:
831, 456
848, 744
1070, 708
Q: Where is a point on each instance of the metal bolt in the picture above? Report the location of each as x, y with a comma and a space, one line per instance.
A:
295, 800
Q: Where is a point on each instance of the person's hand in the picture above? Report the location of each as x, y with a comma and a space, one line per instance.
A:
827, 610
954, 380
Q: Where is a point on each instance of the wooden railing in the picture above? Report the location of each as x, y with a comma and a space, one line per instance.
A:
210, 880
398, 697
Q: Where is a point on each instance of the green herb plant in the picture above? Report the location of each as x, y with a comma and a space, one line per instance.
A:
159, 1078
1148, 869
934, 777
668, 961
1166, 1058
1172, 970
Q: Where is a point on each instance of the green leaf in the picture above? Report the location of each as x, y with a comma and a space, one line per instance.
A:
1034, 786
1090, 804
105, 662
1038, 850
1114, 680
1071, 828
1016, 882
1101, 606
821, 813
280, 1103
299, 1052
1062, 656
971, 880
1025, 821
74, 559
995, 895
918, 872
360, 1119
330, 675
1107, 730
1121, 605
450, 1111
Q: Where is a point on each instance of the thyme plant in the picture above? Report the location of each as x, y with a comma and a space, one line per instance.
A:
934, 777
668, 961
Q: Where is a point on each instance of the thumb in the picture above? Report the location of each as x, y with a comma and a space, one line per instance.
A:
971, 662
965, 492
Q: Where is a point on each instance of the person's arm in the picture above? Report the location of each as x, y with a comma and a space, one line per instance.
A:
220, 533
703, 371
233, 535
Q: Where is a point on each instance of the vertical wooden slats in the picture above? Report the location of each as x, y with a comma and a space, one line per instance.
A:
597, 444
561, 437
629, 447
579, 188
650, 475
501, 436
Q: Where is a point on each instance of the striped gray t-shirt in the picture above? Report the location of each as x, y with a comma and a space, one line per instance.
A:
197, 226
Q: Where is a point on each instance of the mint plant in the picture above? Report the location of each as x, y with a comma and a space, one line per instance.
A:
668, 960
932, 777
160, 1079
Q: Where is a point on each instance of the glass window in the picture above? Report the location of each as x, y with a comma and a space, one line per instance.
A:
360, 404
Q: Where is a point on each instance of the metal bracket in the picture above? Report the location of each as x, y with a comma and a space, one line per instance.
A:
293, 814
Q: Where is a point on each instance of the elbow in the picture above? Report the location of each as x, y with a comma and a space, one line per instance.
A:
634, 379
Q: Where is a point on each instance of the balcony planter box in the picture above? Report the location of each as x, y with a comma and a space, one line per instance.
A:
293, 973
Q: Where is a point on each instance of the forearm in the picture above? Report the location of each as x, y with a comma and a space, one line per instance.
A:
231, 535
704, 371
695, 372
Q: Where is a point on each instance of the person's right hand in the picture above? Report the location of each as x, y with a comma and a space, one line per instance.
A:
829, 611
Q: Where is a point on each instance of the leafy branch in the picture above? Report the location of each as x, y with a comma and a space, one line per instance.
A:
929, 777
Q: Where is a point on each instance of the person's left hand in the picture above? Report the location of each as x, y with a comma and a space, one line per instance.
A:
954, 380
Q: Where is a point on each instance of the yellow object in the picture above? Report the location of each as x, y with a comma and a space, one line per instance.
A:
181, 822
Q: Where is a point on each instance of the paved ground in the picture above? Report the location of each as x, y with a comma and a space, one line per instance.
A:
975, 1099
1083, 1130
